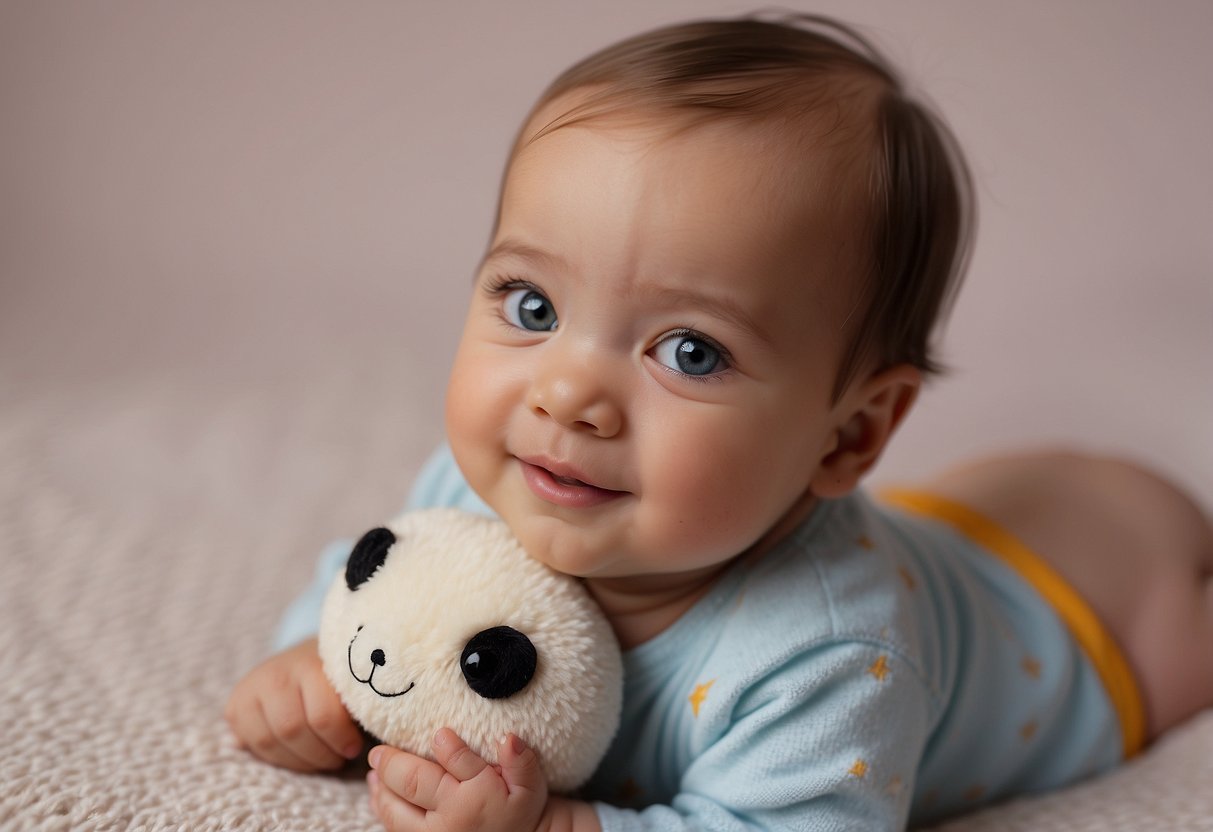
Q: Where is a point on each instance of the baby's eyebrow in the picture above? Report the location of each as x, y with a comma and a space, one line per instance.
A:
721, 308
510, 247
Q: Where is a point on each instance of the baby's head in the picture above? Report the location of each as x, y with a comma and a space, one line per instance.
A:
720, 252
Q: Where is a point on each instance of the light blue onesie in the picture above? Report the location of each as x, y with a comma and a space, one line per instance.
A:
877, 667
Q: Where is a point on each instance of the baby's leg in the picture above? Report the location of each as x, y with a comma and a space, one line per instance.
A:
1137, 548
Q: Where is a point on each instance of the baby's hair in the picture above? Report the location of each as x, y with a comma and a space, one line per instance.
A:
918, 188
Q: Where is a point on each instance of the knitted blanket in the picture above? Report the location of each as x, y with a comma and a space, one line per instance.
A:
150, 535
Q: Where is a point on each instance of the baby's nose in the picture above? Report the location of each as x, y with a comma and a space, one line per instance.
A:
378, 658
577, 397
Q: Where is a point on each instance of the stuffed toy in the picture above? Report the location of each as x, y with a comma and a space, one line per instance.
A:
441, 619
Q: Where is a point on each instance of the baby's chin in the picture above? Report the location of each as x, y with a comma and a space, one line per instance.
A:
561, 545
571, 551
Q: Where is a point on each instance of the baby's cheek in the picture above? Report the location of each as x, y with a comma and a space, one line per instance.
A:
715, 507
701, 525
472, 431
476, 400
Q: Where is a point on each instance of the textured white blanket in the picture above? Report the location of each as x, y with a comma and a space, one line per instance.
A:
149, 537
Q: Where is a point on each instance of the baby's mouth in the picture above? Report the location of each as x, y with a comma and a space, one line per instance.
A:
563, 489
568, 481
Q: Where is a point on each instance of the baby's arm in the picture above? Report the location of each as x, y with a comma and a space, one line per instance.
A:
832, 743
286, 712
830, 738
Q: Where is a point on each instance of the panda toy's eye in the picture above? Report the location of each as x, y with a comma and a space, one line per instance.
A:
498, 662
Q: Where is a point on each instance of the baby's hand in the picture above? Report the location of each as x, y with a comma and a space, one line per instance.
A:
286, 712
460, 791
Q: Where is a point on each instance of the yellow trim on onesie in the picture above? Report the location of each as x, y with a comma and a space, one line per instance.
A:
1094, 639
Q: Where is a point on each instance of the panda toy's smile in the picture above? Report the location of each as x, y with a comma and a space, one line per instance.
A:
378, 660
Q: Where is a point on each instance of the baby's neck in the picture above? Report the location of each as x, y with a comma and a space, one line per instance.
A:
641, 608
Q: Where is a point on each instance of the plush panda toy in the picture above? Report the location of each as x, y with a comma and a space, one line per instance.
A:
441, 619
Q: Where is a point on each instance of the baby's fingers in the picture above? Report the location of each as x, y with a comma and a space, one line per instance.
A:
412, 778
330, 721
455, 756
287, 720
395, 813
253, 733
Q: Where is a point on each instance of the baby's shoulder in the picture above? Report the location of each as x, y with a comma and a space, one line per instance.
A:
841, 577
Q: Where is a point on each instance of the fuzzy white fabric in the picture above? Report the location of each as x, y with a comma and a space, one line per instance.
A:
151, 532
449, 576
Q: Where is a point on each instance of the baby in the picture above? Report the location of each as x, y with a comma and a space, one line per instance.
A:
720, 252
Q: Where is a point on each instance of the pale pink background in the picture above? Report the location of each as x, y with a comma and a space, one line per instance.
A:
287, 198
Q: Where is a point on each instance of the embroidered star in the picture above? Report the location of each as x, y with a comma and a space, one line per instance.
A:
895, 787
907, 578
699, 695
1028, 730
1031, 667
865, 542
859, 769
880, 668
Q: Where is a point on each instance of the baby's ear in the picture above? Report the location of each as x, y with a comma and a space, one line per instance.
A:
869, 413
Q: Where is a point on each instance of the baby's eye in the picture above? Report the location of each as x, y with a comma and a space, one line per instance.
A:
527, 309
690, 353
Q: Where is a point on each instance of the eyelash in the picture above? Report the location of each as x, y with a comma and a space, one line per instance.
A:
499, 285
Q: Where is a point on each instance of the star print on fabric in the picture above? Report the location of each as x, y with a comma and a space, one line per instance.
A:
1031, 667
880, 668
865, 542
1028, 730
895, 787
974, 792
907, 577
858, 769
699, 695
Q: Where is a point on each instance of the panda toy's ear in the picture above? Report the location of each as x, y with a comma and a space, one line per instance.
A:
368, 555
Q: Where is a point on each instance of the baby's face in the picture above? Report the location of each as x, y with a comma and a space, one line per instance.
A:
643, 384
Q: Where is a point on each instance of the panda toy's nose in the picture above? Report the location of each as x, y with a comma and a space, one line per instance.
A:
378, 658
